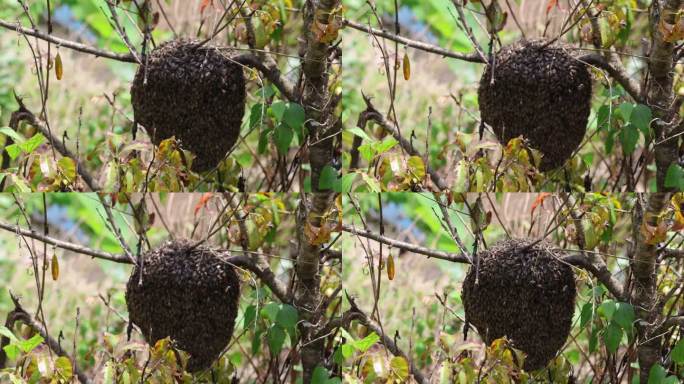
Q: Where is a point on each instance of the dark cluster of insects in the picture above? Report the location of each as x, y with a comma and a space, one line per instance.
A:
520, 289
188, 294
537, 90
194, 92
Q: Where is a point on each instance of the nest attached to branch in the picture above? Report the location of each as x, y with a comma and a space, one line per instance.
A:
540, 92
524, 293
194, 93
189, 295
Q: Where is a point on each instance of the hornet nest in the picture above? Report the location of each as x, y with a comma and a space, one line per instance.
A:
192, 92
187, 294
539, 92
525, 293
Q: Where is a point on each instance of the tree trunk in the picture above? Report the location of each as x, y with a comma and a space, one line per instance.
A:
312, 208
659, 92
645, 294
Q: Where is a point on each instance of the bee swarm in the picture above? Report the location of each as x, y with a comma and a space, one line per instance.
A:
525, 294
541, 93
187, 294
194, 93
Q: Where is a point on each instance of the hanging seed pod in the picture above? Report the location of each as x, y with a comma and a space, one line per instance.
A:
522, 292
194, 93
541, 93
187, 294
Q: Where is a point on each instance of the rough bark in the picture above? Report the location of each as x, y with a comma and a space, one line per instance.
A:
644, 293
659, 91
322, 128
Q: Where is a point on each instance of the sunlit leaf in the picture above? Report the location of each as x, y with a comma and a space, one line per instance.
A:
400, 368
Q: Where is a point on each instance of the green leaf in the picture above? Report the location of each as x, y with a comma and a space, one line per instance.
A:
31, 144
294, 115
16, 136
629, 136
250, 315
675, 177
373, 185
347, 350
287, 316
276, 338
593, 340
607, 309
256, 115
586, 314
625, 111
347, 182
361, 133
602, 116
263, 140
367, 151
612, 337
13, 151
283, 137
364, 344
64, 368
385, 145
109, 373
327, 178
319, 376
4, 331
400, 368
278, 109
31, 344
678, 352
67, 168
624, 315
641, 118
416, 167
270, 311
12, 351
256, 342
657, 374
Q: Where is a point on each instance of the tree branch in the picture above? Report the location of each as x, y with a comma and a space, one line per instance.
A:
628, 82
65, 244
21, 315
270, 71
432, 253
386, 341
264, 273
25, 114
600, 271
127, 58
471, 57
408, 147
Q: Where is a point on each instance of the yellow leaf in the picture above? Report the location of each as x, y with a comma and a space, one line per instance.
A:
55, 267
407, 67
59, 69
390, 267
